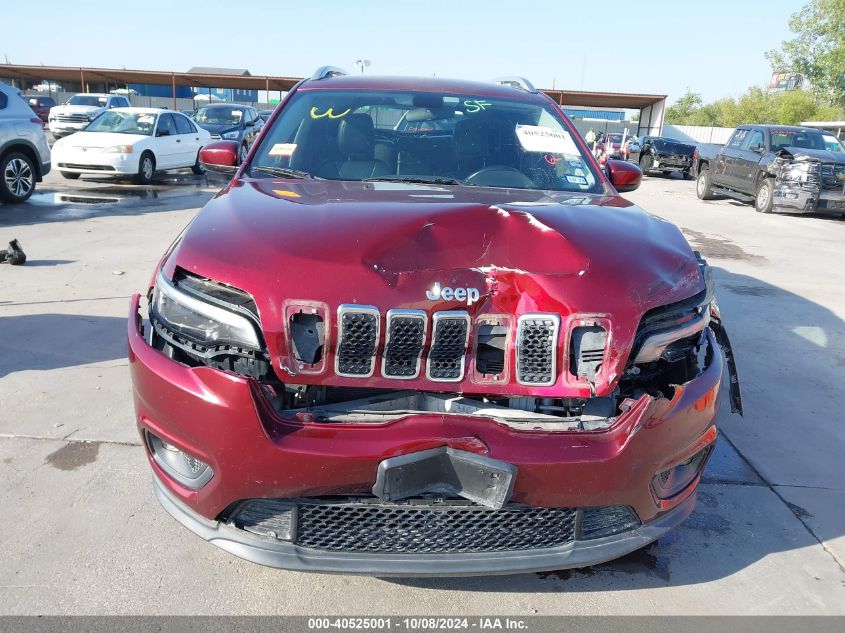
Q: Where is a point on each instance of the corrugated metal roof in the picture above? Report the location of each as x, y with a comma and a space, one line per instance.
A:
585, 113
209, 70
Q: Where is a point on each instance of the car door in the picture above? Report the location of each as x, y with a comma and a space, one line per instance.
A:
165, 145
723, 169
249, 126
187, 141
745, 168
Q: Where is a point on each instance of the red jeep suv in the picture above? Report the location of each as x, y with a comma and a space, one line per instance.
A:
420, 333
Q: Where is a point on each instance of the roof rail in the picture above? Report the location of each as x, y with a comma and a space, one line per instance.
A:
324, 72
520, 83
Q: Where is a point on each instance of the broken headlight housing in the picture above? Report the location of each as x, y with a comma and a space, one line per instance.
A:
200, 321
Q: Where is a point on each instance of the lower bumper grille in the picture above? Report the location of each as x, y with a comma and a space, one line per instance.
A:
89, 167
364, 524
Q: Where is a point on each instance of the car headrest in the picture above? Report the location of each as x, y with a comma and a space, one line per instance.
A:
470, 138
356, 134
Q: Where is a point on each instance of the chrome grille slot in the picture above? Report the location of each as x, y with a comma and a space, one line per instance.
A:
536, 349
404, 343
358, 334
447, 356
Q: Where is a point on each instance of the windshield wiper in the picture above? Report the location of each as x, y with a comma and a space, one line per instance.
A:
282, 172
434, 180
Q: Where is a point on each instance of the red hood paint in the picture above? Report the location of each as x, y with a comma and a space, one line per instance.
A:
385, 244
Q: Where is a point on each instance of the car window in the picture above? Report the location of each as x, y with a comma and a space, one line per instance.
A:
183, 126
219, 115
737, 138
753, 139
123, 123
3, 100
519, 142
165, 122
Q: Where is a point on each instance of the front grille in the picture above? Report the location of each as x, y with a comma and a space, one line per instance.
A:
450, 335
72, 118
404, 343
420, 526
536, 349
91, 167
833, 176
432, 529
358, 333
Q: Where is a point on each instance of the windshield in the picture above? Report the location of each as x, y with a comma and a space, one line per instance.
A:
426, 137
225, 115
805, 139
88, 100
832, 143
123, 123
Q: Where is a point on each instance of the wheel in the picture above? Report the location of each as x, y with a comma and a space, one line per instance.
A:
146, 169
764, 200
646, 162
70, 175
18, 177
704, 186
198, 169
242, 152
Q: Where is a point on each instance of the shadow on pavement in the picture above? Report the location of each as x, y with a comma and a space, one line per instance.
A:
51, 341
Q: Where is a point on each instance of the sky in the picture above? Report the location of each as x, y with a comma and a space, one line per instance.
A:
714, 47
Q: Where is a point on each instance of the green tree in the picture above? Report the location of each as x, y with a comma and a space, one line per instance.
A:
682, 111
818, 49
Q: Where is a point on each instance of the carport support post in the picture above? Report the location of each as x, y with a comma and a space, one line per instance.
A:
173, 88
82, 80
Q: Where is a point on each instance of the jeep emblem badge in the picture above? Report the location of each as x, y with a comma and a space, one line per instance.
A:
470, 295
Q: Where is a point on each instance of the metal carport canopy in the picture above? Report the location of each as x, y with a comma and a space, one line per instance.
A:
650, 106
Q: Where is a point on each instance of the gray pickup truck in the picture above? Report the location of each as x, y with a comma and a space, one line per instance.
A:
778, 168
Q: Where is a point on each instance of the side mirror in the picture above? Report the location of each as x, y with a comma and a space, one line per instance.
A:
624, 176
758, 149
220, 157
162, 132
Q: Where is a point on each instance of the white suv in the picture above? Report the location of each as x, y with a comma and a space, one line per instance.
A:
80, 110
24, 152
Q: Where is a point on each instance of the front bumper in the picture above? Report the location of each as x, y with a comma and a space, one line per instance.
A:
225, 421
76, 161
271, 553
798, 198
63, 128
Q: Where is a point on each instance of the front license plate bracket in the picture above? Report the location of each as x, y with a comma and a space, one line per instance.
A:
446, 471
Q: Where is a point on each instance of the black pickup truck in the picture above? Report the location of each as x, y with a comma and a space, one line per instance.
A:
656, 153
778, 168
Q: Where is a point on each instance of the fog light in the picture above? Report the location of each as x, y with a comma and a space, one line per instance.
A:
670, 482
184, 468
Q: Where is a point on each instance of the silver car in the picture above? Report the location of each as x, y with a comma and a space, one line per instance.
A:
24, 152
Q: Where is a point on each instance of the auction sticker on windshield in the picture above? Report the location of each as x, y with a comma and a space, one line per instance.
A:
536, 138
282, 149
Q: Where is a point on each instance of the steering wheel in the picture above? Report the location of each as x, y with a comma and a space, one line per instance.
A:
499, 176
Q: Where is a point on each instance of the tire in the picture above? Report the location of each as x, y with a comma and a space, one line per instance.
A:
17, 177
764, 199
242, 152
704, 186
197, 168
70, 175
146, 169
646, 162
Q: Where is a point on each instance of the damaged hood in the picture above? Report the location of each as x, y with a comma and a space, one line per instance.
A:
387, 244
821, 155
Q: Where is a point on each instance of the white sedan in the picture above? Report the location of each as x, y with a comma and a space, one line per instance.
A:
132, 142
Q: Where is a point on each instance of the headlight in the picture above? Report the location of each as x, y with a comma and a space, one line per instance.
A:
200, 321
119, 149
230, 135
